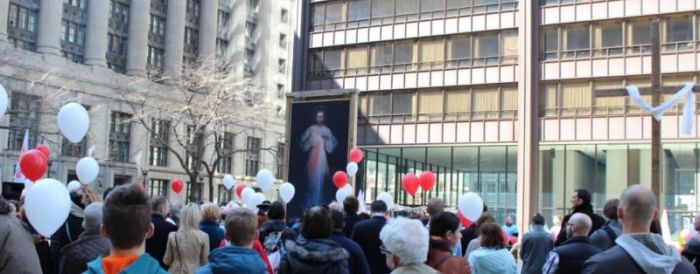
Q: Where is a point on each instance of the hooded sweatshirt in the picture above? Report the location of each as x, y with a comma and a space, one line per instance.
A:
233, 259
492, 261
313, 256
645, 248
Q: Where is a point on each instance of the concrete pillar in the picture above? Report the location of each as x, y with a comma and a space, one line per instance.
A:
208, 29
137, 44
4, 9
49, 36
175, 36
528, 114
96, 37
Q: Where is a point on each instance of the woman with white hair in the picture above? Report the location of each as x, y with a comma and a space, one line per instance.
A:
188, 248
405, 244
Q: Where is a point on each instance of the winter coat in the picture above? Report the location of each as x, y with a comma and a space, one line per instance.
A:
692, 252
67, 233
468, 234
216, 234
441, 258
155, 246
85, 249
414, 269
271, 226
570, 256
485, 260
17, 252
601, 237
350, 220
357, 263
366, 234
638, 253
186, 251
587, 209
145, 264
233, 259
313, 256
535, 246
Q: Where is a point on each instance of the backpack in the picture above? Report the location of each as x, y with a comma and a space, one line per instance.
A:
272, 242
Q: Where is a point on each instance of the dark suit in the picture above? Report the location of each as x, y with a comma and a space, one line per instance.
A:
366, 234
587, 209
155, 246
468, 234
616, 260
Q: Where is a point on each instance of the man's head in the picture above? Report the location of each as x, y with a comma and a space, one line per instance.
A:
538, 219
317, 223
378, 207
610, 209
241, 227
404, 242
509, 221
175, 210
92, 220
580, 197
338, 220
351, 205
637, 209
579, 225
126, 217
276, 211
435, 206
160, 205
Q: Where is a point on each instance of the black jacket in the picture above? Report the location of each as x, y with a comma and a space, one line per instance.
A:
79, 253
587, 209
313, 256
692, 252
271, 226
573, 253
366, 234
468, 234
616, 260
155, 246
536, 245
350, 221
67, 233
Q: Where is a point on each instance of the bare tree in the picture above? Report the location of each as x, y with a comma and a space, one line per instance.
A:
201, 105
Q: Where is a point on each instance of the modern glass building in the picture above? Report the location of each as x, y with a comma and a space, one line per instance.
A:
499, 96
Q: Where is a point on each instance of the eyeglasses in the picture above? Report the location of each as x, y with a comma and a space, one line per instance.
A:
385, 251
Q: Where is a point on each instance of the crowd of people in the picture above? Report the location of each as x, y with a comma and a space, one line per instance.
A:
131, 233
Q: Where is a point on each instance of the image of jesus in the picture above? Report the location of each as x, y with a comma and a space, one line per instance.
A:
318, 142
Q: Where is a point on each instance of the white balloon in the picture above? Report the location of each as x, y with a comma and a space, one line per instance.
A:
28, 184
229, 182
342, 193
73, 121
387, 198
87, 170
351, 168
257, 199
470, 205
287, 191
3, 100
246, 194
73, 186
265, 179
47, 205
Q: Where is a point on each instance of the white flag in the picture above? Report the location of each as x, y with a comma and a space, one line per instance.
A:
19, 176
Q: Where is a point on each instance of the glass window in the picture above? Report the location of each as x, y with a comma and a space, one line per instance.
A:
431, 53
509, 102
252, 156
403, 56
334, 13
430, 104
509, 46
24, 116
403, 103
120, 137
404, 7
576, 98
607, 39
609, 105
638, 37
333, 60
381, 57
679, 31
457, 103
358, 10
551, 43
319, 12
455, 4
159, 142
485, 103
432, 5
576, 41
379, 105
548, 100
357, 60
382, 8
459, 48
486, 47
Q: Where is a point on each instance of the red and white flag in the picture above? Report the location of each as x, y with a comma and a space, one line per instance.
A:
19, 176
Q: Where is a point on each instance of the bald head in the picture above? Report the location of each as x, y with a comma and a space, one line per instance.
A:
637, 208
580, 224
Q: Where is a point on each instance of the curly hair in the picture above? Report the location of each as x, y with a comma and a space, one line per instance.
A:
407, 239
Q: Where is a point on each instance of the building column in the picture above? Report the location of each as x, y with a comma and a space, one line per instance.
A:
137, 44
528, 133
49, 36
96, 36
208, 29
4, 9
175, 36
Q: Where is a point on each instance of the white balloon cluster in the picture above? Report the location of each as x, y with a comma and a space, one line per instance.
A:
343, 192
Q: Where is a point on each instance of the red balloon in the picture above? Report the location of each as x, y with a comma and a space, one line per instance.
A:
177, 185
410, 183
356, 155
427, 180
340, 178
33, 164
239, 190
44, 149
464, 220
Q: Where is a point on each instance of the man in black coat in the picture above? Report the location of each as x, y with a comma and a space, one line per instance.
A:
581, 203
571, 255
638, 250
366, 234
350, 206
155, 246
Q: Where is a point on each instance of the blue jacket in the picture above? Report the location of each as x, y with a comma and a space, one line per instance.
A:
485, 260
145, 264
233, 259
357, 263
216, 234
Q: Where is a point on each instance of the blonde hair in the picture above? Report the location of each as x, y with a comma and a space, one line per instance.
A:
190, 217
211, 211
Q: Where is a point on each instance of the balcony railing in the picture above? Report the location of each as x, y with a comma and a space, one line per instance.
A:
411, 118
631, 50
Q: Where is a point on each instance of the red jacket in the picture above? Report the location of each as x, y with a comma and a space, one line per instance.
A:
261, 251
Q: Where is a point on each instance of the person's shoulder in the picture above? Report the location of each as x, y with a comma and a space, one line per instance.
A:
684, 266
